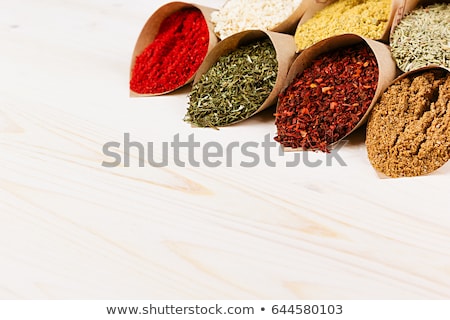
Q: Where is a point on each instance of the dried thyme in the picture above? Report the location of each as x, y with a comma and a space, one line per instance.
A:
422, 38
235, 87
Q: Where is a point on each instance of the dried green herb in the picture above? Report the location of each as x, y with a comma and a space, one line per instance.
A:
422, 38
235, 87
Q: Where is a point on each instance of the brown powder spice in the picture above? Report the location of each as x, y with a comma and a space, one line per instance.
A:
408, 131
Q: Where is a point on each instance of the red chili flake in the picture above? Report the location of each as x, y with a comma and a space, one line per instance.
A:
327, 100
175, 54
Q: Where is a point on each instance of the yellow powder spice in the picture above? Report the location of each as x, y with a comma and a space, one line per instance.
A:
367, 18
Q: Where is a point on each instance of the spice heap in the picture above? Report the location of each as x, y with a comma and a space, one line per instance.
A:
327, 100
423, 38
408, 132
235, 87
175, 54
237, 15
367, 18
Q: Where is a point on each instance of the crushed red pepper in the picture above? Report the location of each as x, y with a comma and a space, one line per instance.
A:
328, 99
175, 54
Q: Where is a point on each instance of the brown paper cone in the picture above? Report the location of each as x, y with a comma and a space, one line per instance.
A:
290, 24
284, 47
399, 78
312, 7
406, 7
386, 66
151, 29
402, 10
413, 72
316, 5
396, 7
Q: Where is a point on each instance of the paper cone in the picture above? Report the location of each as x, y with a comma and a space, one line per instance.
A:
290, 24
407, 6
408, 74
312, 7
420, 70
410, 5
397, 7
151, 29
284, 48
386, 66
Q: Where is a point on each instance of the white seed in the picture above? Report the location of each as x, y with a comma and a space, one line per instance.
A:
238, 15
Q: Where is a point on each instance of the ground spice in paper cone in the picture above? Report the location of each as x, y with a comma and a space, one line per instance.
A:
422, 38
237, 15
328, 99
175, 54
408, 131
367, 18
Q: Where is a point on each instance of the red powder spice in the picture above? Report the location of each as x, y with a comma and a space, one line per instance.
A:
175, 54
328, 99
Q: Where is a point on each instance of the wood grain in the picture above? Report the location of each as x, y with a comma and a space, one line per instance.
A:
71, 228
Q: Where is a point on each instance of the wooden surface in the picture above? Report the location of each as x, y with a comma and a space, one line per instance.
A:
70, 228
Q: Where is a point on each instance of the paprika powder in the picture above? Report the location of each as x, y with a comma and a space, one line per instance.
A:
175, 54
